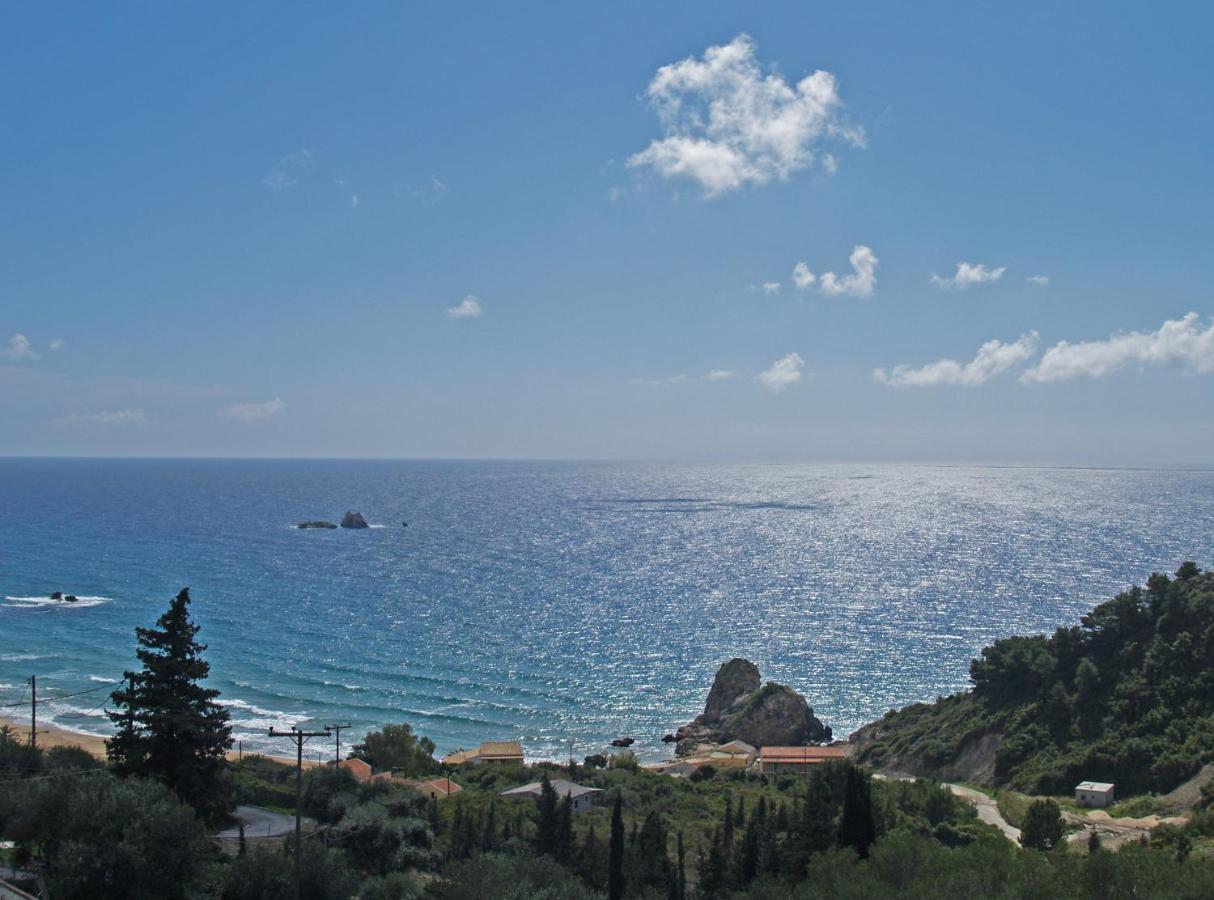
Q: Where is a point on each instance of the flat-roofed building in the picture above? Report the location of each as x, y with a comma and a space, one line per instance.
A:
797, 759
1093, 793
580, 796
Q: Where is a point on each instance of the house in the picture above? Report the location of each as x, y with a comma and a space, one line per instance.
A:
580, 797
733, 755
358, 768
501, 753
442, 788
797, 759
677, 768
1093, 793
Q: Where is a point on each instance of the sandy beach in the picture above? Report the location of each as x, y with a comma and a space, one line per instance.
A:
51, 736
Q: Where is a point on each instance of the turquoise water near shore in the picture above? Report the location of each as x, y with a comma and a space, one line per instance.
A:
561, 601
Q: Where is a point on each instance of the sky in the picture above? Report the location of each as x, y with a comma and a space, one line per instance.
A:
930, 232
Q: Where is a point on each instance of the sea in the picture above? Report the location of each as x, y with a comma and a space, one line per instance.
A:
563, 604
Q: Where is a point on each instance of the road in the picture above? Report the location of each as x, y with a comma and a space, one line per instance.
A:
988, 811
261, 823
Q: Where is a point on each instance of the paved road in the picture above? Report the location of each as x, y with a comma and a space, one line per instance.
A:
988, 811
259, 823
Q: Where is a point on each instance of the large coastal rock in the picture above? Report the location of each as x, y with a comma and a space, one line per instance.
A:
315, 523
739, 708
354, 520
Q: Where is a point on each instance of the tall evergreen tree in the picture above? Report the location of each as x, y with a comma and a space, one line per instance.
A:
170, 727
727, 826
615, 853
857, 828
681, 873
564, 830
547, 824
489, 835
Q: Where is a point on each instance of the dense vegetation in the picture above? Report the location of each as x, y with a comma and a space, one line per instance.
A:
1127, 697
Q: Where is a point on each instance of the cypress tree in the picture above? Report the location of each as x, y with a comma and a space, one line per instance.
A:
681, 875
564, 831
857, 829
727, 826
547, 827
615, 853
489, 835
170, 727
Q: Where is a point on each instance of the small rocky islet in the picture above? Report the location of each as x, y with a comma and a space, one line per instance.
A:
354, 520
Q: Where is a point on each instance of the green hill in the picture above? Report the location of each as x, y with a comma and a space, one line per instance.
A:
1126, 696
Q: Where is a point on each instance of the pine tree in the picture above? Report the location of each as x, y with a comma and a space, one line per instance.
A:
615, 853
170, 727
857, 829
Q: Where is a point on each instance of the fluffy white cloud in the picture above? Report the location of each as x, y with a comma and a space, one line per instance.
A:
968, 275
1039, 280
993, 358
468, 308
727, 124
288, 170
771, 287
860, 283
784, 372
1182, 342
253, 412
19, 349
117, 417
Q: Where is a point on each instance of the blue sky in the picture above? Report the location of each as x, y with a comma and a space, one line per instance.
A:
245, 230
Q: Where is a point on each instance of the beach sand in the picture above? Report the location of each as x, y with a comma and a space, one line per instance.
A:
50, 736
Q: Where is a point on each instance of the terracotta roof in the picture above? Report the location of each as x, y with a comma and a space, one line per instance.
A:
443, 786
801, 754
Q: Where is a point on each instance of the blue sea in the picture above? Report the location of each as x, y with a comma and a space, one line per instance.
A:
560, 602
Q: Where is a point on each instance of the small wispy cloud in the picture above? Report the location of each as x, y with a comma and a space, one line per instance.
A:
56, 344
254, 412
1038, 280
783, 373
288, 170
993, 358
1183, 342
728, 122
354, 201
771, 287
968, 275
683, 378
118, 417
19, 349
860, 283
431, 192
468, 308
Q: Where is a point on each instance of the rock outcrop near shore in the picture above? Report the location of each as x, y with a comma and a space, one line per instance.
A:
315, 523
354, 520
741, 708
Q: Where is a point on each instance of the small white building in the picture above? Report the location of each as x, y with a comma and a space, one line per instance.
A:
1093, 793
580, 796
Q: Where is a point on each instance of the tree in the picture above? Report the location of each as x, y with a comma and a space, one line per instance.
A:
857, 829
1042, 825
615, 853
547, 820
396, 747
681, 873
170, 727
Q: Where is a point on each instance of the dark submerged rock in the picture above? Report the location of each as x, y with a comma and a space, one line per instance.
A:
316, 523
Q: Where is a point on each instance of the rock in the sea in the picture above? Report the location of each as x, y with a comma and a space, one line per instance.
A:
739, 708
623, 742
354, 520
71, 598
316, 523
58, 595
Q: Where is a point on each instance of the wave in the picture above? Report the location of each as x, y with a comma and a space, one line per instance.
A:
100, 679
81, 602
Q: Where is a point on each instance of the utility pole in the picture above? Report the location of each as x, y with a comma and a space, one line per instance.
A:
298, 737
337, 729
34, 713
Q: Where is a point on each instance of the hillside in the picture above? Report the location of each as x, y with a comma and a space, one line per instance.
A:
1126, 696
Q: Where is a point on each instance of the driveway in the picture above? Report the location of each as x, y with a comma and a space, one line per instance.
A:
261, 823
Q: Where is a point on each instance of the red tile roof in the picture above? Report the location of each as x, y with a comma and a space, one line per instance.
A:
801, 754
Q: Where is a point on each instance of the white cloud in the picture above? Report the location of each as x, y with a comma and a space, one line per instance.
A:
468, 308
726, 124
287, 171
784, 372
19, 349
614, 194
253, 412
993, 358
1180, 342
771, 287
1039, 280
354, 201
56, 344
860, 283
117, 417
968, 275
684, 378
